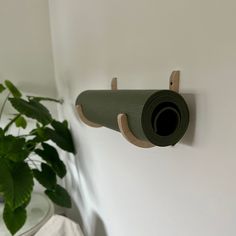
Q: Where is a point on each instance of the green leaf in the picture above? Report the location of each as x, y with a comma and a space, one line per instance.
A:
13, 148
12, 121
46, 177
6, 186
21, 122
32, 109
61, 135
23, 183
50, 155
31, 144
1, 132
14, 218
40, 135
16, 182
13, 89
2, 88
59, 196
27, 202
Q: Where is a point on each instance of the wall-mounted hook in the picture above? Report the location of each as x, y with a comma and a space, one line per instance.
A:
174, 81
114, 84
127, 133
124, 126
84, 119
164, 116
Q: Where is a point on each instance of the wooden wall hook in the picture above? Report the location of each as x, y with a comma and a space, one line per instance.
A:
84, 119
114, 84
127, 133
122, 118
174, 81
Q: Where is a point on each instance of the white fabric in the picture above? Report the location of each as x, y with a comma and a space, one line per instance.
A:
60, 226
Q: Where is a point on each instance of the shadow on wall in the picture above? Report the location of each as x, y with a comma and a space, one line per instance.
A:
189, 136
98, 227
75, 184
75, 215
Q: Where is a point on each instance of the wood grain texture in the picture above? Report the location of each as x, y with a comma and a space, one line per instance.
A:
128, 135
84, 119
114, 84
174, 81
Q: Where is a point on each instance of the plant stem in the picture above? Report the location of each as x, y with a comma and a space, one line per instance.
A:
24, 135
46, 99
3, 106
10, 123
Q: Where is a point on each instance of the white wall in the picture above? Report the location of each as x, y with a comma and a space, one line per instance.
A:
186, 190
26, 51
25, 45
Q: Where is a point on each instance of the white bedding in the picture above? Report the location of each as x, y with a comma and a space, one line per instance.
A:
60, 226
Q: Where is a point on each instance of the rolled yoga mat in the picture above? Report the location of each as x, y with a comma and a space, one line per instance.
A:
158, 116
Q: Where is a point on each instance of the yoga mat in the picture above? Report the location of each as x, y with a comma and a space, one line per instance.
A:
158, 116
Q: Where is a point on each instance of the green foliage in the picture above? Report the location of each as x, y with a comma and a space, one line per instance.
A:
16, 175
12, 89
11, 122
2, 88
50, 155
5, 180
16, 181
61, 135
21, 122
13, 148
46, 177
14, 218
39, 99
60, 196
32, 109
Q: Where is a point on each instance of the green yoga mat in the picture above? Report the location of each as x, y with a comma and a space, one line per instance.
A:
161, 117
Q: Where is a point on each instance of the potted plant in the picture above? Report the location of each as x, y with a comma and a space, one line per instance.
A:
16, 174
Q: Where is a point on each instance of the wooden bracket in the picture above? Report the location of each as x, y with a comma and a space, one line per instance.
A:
174, 81
84, 119
127, 133
114, 84
122, 118
124, 126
